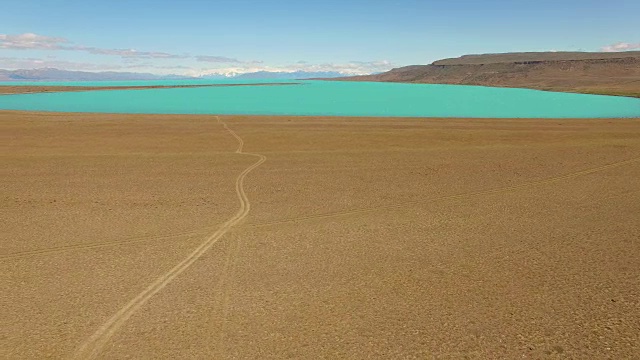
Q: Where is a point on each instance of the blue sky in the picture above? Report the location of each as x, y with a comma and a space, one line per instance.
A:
358, 36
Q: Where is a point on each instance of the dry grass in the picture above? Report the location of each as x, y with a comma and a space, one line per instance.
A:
390, 238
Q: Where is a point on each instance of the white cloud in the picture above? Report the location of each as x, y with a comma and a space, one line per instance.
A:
146, 60
14, 63
31, 41
132, 53
621, 46
217, 59
225, 60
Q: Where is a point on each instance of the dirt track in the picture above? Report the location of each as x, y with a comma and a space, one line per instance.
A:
366, 237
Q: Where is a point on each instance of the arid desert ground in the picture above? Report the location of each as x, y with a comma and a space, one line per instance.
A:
162, 237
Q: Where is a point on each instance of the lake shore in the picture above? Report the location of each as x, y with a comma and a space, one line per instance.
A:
365, 237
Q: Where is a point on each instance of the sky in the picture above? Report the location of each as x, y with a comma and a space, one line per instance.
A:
199, 37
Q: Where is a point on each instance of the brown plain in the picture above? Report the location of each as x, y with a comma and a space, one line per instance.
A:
383, 238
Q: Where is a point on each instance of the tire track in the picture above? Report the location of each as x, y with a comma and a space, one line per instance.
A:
317, 216
240, 141
92, 347
224, 299
449, 197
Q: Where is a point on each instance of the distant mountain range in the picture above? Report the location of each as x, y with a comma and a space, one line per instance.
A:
50, 74
293, 75
296, 75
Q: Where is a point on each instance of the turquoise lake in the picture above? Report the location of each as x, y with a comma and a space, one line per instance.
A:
326, 98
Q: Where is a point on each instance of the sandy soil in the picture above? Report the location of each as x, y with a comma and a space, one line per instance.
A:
383, 238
